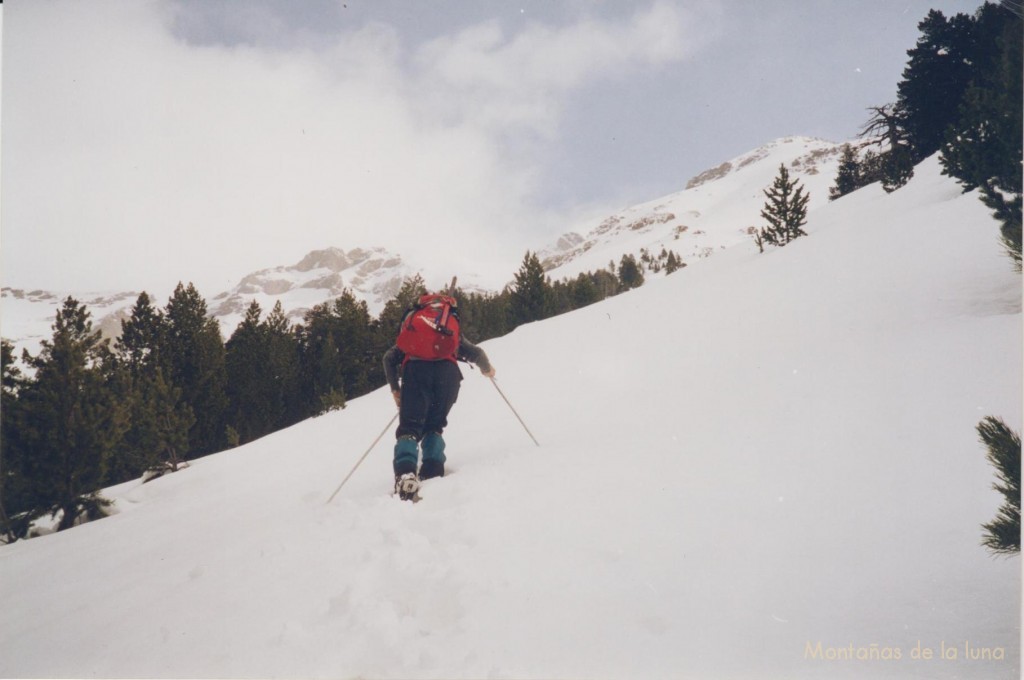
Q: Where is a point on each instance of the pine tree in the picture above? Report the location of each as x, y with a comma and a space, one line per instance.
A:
871, 168
73, 418
935, 79
984, 147
157, 437
606, 282
262, 365
340, 354
249, 386
283, 363
561, 302
484, 316
1002, 535
785, 210
894, 164
351, 326
195, 356
531, 292
674, 263
848, 177
142, 336
14, 494
157, 441
631, 274
329, 378
583, 291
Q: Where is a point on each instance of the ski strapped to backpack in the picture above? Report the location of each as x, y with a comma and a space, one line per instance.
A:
430, 329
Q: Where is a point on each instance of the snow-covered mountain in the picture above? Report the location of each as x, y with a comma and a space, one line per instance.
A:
785, 482
374, 275
27, 316
714, 212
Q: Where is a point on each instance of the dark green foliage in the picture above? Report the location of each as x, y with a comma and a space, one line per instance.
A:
893, 165
1002, 535
935, 79
667, 260
14, 494
673, 263
631, 274
157, 437
338, 355
531, 292
606, 282
848, 177
483, 316
252, 389
583, 291
983, 147
785, 211
71, 419
194, 354
283, 366
142, 336
961, 94
560, 300
897, 166
157, 440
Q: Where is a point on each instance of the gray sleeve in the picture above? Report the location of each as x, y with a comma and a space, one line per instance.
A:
392, 360
470, 352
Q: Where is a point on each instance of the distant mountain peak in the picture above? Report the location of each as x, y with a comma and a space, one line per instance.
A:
372, 274
336, 259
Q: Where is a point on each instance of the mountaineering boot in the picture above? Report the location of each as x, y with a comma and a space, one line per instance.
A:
407, 486
433, 456
431, 469
407, 454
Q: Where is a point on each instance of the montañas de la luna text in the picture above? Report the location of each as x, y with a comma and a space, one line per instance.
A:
965, 651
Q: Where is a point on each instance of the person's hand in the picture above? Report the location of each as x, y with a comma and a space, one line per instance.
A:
398, 398
489, 373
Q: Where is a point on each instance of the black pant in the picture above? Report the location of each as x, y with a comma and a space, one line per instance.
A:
429, 390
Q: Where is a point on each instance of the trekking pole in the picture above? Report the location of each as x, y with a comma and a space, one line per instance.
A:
360, 461
495, 383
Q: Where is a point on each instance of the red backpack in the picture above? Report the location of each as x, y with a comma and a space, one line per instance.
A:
430, 330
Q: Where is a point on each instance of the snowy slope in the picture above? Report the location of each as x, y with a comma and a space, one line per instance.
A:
714, 212
753, 456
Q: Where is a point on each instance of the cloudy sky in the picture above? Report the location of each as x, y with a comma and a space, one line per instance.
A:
150, 141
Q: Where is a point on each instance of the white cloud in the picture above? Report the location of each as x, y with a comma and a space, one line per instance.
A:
521, 80
132, 159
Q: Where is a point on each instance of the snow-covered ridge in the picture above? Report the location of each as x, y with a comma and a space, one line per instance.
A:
715, 211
